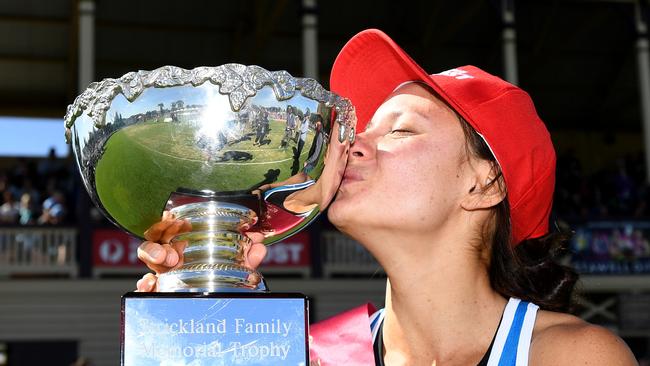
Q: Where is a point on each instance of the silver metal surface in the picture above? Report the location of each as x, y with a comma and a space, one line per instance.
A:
234, 149
214, 250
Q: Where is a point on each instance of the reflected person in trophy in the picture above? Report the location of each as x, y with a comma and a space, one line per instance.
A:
449, 185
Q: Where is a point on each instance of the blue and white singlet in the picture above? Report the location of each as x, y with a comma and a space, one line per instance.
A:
509, 347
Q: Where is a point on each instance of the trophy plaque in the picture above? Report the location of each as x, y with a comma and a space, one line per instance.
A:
234, 150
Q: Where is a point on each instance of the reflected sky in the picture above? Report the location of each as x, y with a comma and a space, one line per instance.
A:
190, 95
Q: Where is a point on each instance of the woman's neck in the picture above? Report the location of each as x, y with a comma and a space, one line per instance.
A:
439, 304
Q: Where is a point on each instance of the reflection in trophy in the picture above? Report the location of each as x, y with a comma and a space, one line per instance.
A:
233, 149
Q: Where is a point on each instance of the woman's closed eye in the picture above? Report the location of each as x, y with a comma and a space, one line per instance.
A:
401, 132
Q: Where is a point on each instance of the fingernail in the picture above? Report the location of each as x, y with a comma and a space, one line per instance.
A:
155, 252
171, 260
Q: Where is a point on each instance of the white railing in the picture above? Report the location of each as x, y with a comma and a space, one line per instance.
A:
344, 256
36, 250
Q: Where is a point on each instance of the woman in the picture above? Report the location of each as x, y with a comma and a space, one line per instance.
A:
449, 185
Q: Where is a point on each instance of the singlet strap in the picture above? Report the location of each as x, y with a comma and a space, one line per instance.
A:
288, 187
278, 195
376, 325
512, 342
376, 319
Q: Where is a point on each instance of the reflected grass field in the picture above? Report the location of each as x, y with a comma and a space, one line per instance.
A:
142, 164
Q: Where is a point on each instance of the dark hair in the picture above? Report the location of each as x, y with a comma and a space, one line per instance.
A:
528, 271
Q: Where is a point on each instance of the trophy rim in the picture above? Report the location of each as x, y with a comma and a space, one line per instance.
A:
239, 82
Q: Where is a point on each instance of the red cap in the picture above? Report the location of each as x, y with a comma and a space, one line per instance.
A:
371, 65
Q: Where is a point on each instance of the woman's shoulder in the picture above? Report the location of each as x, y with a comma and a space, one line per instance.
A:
564, 339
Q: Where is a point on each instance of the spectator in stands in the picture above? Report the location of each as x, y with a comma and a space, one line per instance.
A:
28, 188
54, 210
28, 181
9, 210
27, 211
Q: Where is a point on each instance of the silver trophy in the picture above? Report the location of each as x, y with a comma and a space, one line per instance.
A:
234, 149
202, 143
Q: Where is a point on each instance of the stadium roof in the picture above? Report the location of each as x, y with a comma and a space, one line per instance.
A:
576, 58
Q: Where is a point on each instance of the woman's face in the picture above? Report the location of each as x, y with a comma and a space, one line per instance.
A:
407, 170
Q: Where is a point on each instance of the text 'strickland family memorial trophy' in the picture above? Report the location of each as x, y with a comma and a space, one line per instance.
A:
233, 149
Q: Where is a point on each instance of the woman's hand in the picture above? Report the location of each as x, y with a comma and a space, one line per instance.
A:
158, 253
161, 255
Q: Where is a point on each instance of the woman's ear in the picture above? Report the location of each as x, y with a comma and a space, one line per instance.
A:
488, 188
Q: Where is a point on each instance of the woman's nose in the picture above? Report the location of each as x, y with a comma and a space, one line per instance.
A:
361, 148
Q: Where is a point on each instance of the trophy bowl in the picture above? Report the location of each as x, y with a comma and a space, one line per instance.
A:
233, 149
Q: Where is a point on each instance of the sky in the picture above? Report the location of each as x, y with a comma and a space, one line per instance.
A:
32, 137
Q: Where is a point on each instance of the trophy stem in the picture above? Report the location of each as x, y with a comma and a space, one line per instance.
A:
214, 254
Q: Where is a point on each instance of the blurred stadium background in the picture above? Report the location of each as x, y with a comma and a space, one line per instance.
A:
63, 267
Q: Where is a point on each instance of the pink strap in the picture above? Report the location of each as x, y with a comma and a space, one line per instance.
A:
343, 339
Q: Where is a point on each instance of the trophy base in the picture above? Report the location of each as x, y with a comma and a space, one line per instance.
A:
214, 329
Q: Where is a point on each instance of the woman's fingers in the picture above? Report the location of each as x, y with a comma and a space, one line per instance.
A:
179, 247
256, 254
158, 253
171, 258
155, 232
160, 257
186, 227
172, 230
165, 230
147, 283
255, 237
151, 253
